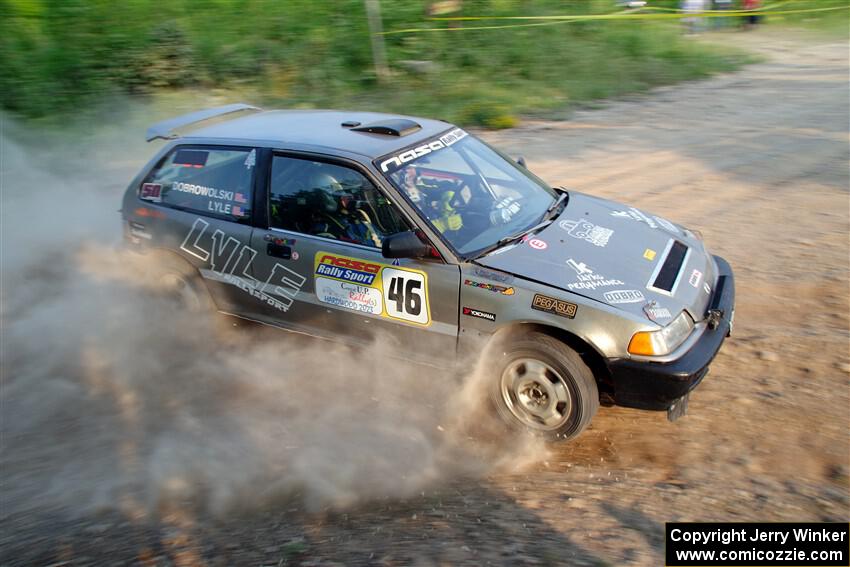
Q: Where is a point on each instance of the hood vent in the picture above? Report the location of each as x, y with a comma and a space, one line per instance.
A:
669, 271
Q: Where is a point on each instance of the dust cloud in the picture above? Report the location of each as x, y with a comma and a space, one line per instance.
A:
113, 399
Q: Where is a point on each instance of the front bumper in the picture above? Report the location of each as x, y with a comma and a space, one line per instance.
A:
656, 385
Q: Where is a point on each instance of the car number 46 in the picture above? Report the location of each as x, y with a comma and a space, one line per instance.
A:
404, 295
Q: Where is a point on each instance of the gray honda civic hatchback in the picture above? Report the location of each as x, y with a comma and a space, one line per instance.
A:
360, 226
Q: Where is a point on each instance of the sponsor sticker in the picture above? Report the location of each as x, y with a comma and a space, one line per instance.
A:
373, 288
251, 160
538, 244
706, 288
151, 192
492, 275
444, 141
346, 269
635, 214
479, 314
624, 296
583, 230
553, 305
579, 267
649, 254
695, 278
656, 312
504, 290
351, 296
586, 279
279, 240
639, 216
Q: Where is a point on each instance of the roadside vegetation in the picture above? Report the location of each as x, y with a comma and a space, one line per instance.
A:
833, 23
61, 56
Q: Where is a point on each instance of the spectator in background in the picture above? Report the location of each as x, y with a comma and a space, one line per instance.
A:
721, 5
692, 24
751, 20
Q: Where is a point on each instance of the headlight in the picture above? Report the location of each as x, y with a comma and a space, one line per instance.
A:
663, 341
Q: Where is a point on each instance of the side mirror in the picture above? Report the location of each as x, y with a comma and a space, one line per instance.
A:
521, 160
404, 245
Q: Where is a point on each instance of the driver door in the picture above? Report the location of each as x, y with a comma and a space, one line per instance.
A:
328, 219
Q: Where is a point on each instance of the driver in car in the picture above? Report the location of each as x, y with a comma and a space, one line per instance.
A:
336, 214
445, 209
436, 202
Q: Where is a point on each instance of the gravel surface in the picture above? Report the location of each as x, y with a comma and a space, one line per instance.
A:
758, 161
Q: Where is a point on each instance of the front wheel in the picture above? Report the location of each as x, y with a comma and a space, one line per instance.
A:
540, 384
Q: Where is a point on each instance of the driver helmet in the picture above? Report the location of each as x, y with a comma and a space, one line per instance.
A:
327, 191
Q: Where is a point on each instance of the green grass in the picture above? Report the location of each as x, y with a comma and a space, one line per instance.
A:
58, 56
831, 23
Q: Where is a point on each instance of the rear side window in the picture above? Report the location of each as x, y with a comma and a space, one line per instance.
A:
208, 181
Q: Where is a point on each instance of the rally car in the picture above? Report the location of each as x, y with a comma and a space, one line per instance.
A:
357, 225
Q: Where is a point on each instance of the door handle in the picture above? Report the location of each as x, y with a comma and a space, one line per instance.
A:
278, 251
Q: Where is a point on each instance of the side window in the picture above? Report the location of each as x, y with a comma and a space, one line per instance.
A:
209, 181
333, 201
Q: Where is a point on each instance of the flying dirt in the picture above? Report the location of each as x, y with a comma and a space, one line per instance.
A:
116, 397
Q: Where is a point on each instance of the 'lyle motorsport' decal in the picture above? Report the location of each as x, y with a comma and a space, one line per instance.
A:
372, 287
230, 262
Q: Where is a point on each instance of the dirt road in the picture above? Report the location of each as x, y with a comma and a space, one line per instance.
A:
756, 160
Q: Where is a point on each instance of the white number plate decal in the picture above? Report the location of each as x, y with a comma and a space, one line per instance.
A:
404, 295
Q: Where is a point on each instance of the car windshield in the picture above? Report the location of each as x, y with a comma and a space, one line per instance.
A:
471, 194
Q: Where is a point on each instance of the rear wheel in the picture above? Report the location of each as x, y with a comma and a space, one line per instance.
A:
540, 384
179, 281
183, 290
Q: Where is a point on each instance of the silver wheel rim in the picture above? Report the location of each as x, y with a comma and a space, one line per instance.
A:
180, 289
536, 394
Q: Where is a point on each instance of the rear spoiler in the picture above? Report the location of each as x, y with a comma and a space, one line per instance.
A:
166, 128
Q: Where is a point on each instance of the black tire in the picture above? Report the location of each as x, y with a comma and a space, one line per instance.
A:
539, 384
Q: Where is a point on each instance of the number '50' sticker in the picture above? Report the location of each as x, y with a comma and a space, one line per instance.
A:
405, 295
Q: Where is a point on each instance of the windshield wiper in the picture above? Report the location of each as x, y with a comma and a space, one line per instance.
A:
523, 234
509, 239
555, 204
546, 221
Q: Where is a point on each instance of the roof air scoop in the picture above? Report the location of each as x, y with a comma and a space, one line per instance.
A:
391, 127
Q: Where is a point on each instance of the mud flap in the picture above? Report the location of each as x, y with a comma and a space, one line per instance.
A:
678, 408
